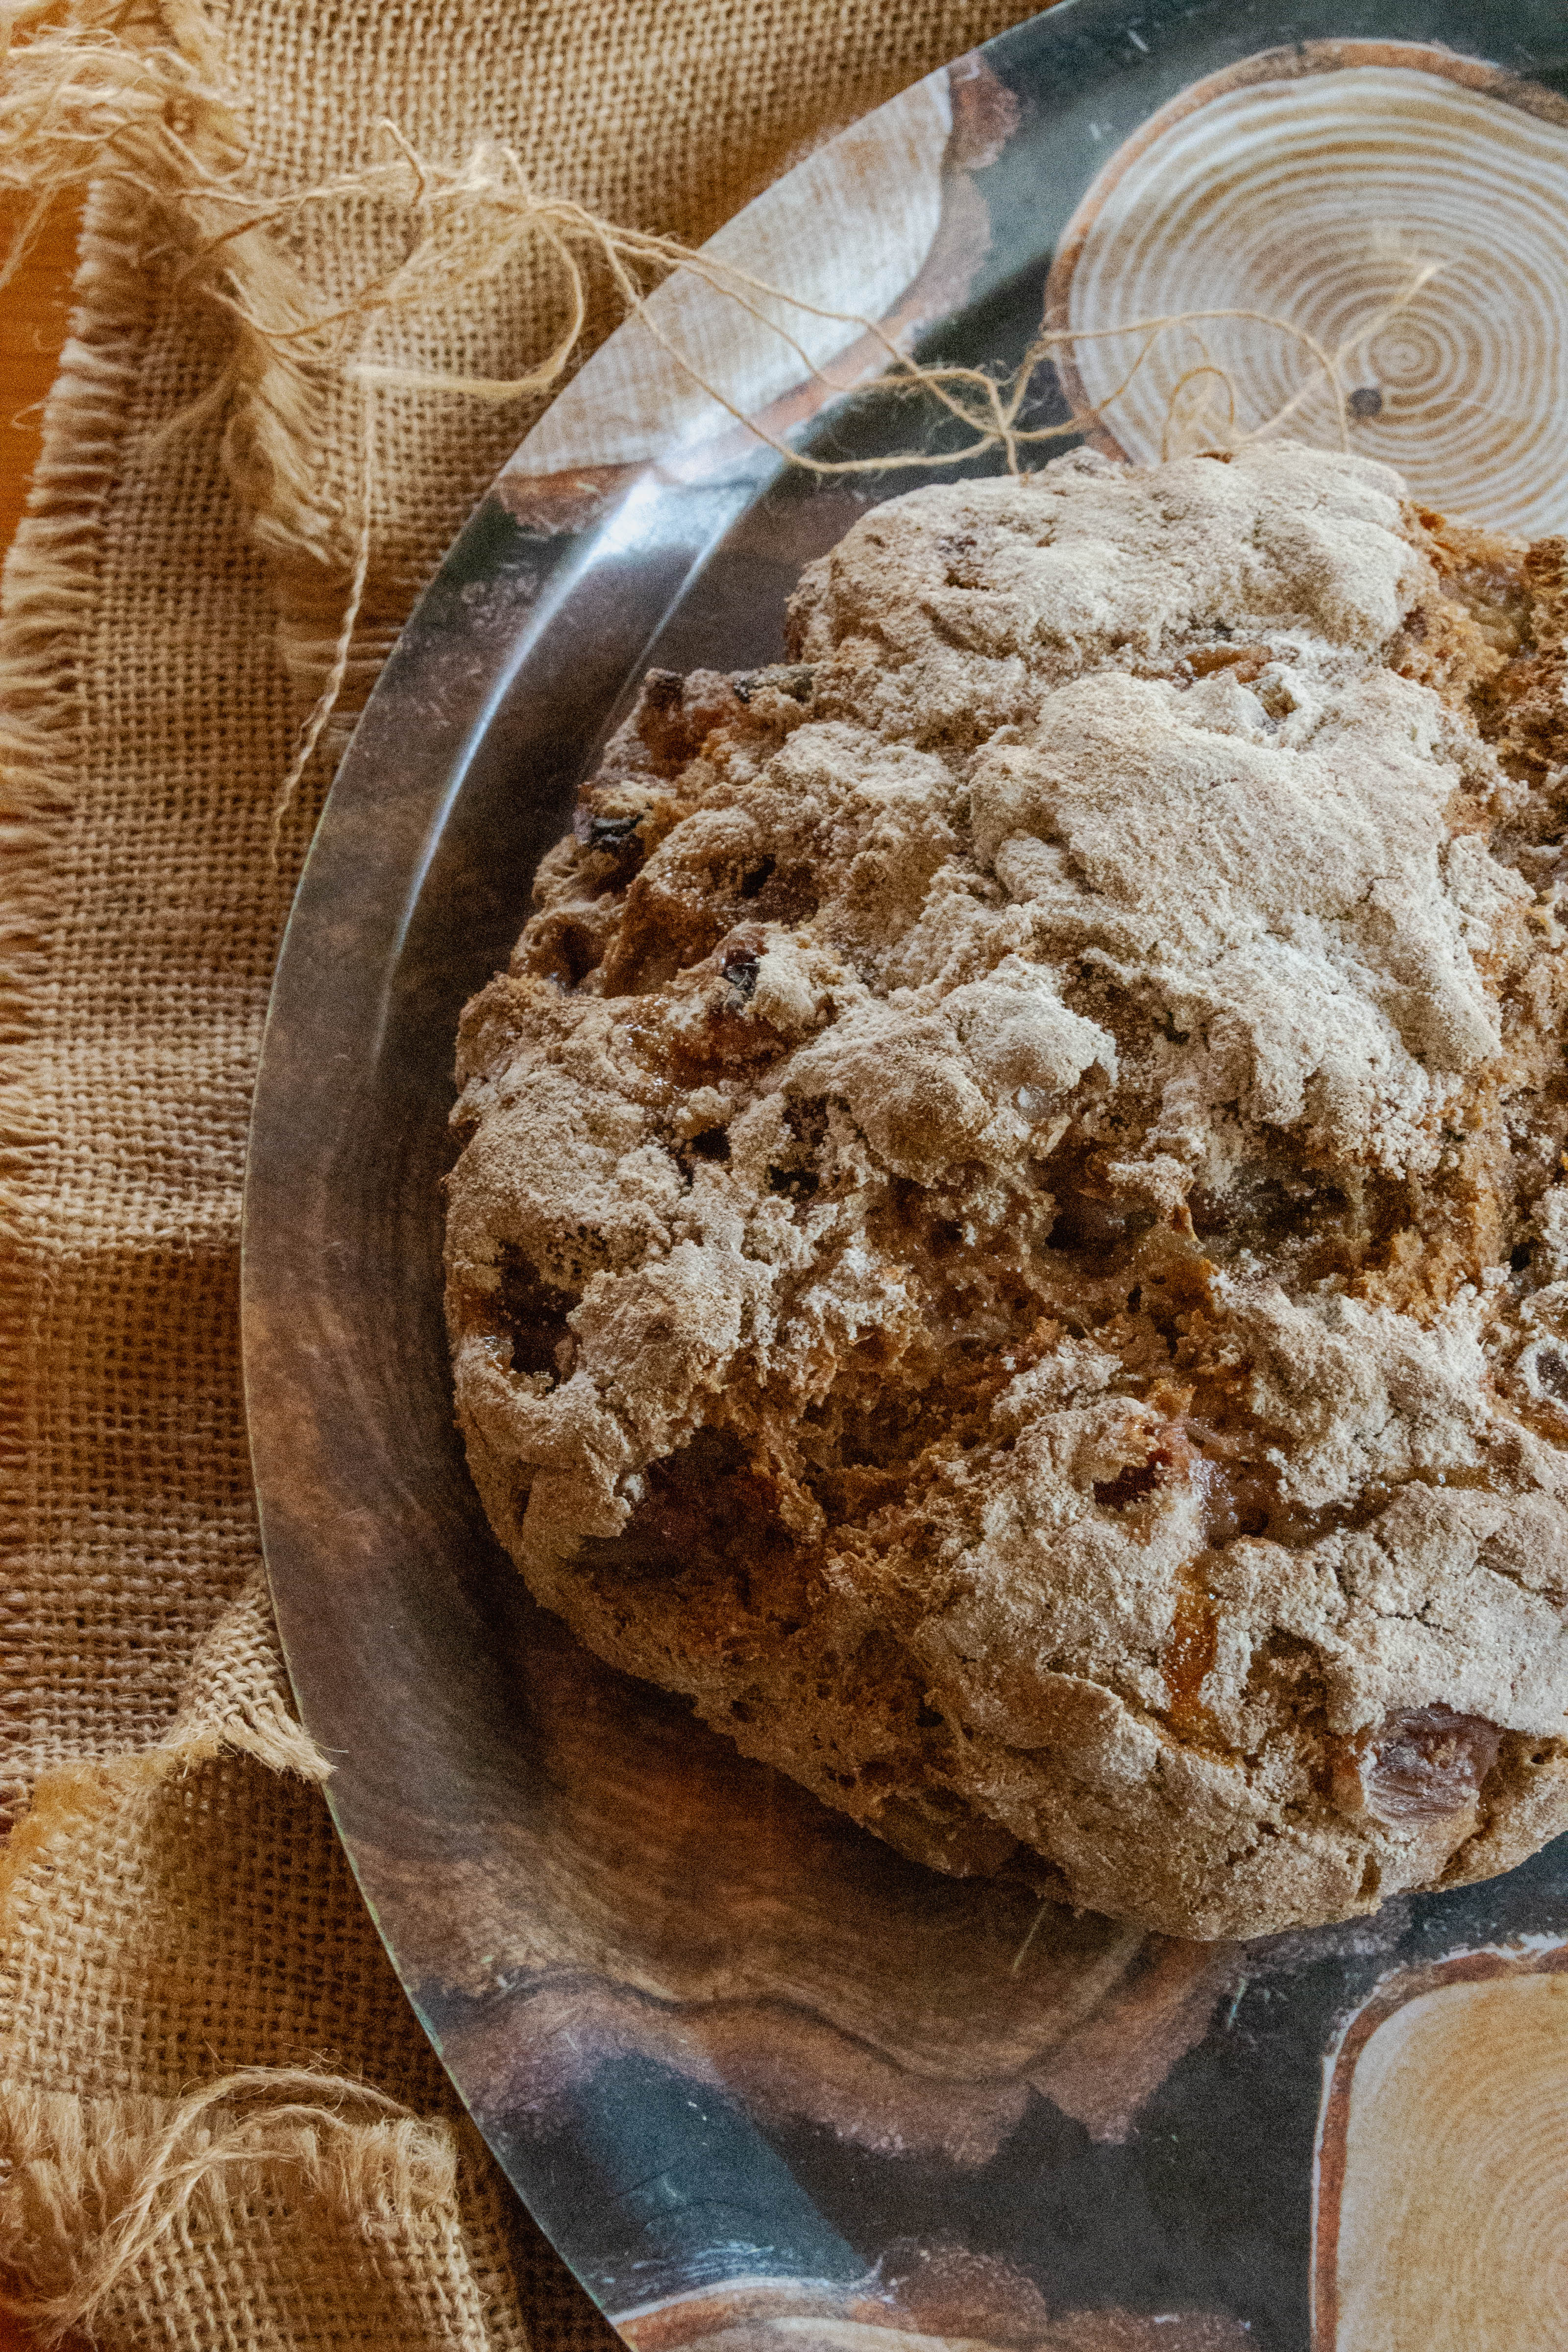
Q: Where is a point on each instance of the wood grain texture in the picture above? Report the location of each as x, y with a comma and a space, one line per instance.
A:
1439, 2199
1242, 191
33, 314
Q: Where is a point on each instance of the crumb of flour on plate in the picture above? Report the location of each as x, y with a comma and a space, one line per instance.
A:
1013, 1240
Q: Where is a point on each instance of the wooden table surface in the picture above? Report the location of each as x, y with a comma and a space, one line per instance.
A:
32, 329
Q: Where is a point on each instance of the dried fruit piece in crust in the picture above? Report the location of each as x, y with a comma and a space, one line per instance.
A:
1012, 1242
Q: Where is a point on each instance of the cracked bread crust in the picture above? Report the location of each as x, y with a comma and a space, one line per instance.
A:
1012, 1241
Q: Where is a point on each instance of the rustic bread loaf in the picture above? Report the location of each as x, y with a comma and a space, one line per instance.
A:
1012, 1242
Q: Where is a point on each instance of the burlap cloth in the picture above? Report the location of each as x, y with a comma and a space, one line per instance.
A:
219, 2123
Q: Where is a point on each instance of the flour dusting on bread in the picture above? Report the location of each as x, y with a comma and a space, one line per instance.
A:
1012, 1241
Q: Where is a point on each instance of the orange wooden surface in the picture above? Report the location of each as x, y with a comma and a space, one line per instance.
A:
32, 329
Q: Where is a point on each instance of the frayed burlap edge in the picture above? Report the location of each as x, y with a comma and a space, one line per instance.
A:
232, 2214
237, 1698
236, 1701
135, 104
100, 2195
100, 2189
132, 2216
120, 2173
46, 595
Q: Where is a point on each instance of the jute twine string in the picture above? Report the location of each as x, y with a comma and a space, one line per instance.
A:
88, 94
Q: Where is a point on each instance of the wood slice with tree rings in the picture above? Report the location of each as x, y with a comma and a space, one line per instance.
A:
1406, 209
1441, 2223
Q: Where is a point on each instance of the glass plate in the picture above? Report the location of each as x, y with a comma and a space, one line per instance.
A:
762, 2080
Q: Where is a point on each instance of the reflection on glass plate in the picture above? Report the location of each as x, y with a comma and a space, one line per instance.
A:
1396, 210
762, 2080
1442, 2153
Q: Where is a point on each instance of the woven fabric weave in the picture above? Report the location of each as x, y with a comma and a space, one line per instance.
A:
220, 2126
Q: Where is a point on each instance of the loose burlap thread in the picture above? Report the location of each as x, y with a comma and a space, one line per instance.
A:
219, 2123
